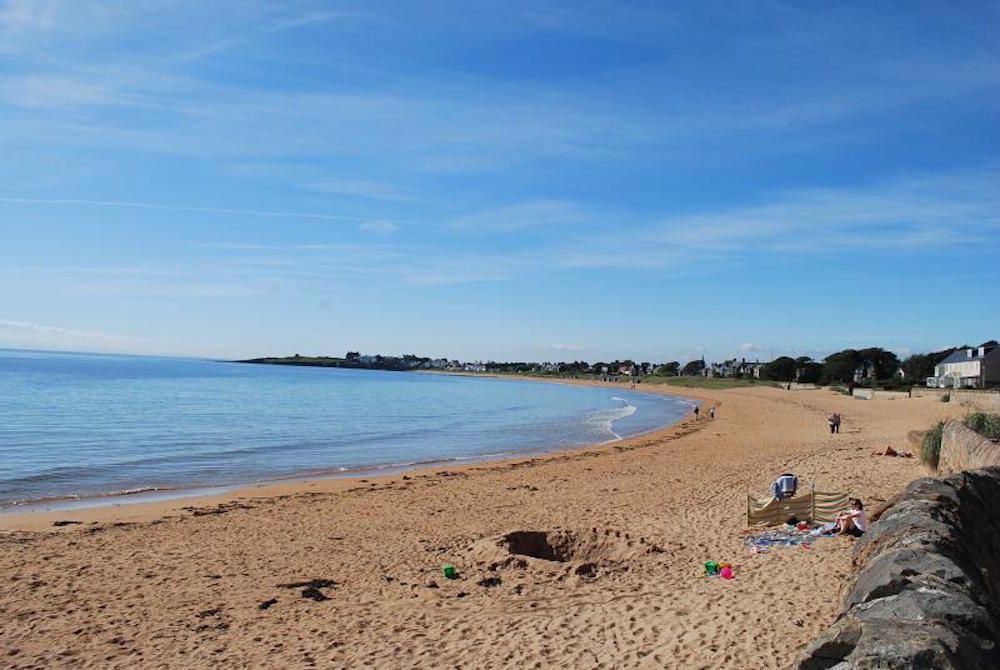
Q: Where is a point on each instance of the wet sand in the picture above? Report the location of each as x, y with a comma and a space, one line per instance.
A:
231, 581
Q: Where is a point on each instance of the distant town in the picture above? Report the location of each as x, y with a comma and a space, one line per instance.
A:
957, 367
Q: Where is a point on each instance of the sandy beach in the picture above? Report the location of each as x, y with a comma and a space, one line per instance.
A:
348, 573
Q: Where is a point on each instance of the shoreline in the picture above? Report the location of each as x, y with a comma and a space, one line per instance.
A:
214, 583
145, 506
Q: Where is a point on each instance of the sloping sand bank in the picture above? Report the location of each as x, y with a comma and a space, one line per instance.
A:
584, 559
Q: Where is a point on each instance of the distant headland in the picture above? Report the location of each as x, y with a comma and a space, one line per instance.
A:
357, 361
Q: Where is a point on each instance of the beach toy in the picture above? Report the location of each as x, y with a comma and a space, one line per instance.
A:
723, 566
711, 568
727, 573
450, 572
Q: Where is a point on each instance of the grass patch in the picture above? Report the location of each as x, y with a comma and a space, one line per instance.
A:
987, 425
930, 450
707, 382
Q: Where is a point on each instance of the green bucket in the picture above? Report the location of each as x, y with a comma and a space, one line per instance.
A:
450, 572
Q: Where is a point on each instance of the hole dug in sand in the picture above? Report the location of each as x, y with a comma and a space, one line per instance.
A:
581, 553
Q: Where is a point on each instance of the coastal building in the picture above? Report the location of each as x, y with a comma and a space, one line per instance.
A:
864, 372
733, 368
973, 367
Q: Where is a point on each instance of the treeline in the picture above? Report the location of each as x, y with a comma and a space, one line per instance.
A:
858, 365
847, 367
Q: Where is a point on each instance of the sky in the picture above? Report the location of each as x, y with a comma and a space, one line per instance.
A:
499, 180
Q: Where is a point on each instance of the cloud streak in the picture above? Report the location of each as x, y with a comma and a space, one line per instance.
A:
267, 214
529, 215
41, 336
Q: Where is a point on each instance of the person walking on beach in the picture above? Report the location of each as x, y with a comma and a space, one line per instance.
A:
711, 412
697, 411
834, 421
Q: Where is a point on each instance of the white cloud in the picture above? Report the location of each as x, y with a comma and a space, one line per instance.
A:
567, 347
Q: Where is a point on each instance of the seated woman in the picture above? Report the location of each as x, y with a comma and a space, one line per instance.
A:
854, 521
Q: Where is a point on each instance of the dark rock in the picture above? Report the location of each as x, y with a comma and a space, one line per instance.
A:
267, 604
66, 523
312, 584
490, 582
207, 613
311, 588
314, 594
924, 593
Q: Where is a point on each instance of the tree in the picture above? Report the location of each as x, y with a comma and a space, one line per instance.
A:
919, 367
671, 369
885, 362
693, 368
839, 367
808, 371
781, 369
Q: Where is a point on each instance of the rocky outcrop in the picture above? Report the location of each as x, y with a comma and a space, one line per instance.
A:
926, 589
964, 449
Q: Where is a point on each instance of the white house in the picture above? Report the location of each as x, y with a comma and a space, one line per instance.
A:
976, 367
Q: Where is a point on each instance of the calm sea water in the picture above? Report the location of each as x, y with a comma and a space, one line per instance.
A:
93, 425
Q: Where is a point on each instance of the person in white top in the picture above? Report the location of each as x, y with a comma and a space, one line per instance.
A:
854, 521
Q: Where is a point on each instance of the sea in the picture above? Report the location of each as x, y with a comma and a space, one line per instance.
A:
103, 427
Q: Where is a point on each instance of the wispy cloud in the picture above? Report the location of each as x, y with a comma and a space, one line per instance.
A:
378, 227
532, 214
567, 347
259, 32
54, 91
905, 213
197, 209
372, 190
41, 336
908, 214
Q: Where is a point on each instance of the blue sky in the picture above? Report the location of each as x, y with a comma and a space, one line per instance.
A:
509, 180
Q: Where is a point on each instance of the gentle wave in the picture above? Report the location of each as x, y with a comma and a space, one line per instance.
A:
606, 418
